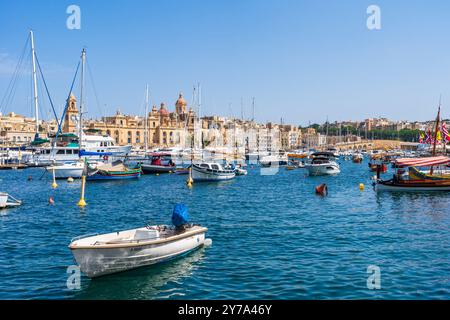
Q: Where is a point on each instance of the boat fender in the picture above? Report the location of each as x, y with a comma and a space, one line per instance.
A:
322, 189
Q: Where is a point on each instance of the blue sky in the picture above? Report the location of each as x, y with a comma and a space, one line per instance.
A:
301, 60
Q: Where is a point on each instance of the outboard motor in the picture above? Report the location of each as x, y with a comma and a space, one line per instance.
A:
180, 216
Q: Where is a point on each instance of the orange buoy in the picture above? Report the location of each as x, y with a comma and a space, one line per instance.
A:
322, 189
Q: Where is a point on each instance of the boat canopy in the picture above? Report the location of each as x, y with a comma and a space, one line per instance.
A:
422, 162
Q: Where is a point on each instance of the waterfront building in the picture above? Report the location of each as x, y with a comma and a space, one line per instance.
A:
16, 129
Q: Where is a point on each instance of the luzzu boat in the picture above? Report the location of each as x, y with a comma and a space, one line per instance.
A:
419, 181
130, 249
113, 171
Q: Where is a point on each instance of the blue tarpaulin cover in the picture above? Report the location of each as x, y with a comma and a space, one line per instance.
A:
180, 215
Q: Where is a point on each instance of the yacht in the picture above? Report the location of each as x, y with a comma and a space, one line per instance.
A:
103, 144
322, 163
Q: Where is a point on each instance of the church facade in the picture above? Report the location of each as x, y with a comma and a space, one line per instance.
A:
164, 128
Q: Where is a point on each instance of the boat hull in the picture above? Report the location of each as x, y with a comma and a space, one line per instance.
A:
65, 172
125, 176
148, 169
322, 169
104, 261
200, 174
411, 187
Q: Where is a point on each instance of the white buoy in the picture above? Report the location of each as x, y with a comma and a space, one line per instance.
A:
208, 242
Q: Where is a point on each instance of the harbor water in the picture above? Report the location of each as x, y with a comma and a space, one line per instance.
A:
272, 237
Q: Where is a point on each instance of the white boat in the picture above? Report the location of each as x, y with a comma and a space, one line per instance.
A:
210, 171
103, 144
273, 161
240, 171
322, 165
7, 201
120, 251
66, 170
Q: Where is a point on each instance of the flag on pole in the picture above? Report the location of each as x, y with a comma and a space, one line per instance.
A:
445, 134
428, 138
421, 137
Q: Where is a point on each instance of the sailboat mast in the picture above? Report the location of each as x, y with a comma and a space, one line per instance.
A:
146, 119
80, 121
35, 92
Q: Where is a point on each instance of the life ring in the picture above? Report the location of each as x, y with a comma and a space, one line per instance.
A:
105, 158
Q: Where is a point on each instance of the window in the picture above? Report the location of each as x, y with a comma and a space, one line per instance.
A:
215, 167
75, 151
60, 152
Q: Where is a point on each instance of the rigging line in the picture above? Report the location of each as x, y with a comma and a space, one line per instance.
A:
46, 89
15, 73
67, 101
15, 87
103, 112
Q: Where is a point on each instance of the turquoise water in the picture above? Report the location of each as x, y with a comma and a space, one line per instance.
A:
273, 238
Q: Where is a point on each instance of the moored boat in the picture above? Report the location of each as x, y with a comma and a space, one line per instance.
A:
160, 163
322, 163
67, 170
211, 171
418, 181
8, 201
130, 249
113, 171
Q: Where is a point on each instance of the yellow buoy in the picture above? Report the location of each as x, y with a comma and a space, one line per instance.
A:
54, 184
69, 179
82, 202
157, 174
361, 186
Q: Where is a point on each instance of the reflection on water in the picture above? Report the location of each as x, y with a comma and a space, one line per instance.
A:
162, 280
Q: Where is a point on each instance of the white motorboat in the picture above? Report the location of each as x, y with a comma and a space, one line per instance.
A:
66, 170
240, 171
120, 251
8, 201
274, 161
322, 164
210, 171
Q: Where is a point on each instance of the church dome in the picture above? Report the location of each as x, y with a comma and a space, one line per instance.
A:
181, 101
163, 111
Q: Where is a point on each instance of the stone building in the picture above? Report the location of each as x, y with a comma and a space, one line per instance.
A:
164, 128
16, 130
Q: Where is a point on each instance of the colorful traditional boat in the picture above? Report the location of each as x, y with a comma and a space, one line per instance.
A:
419, 181
113, 171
